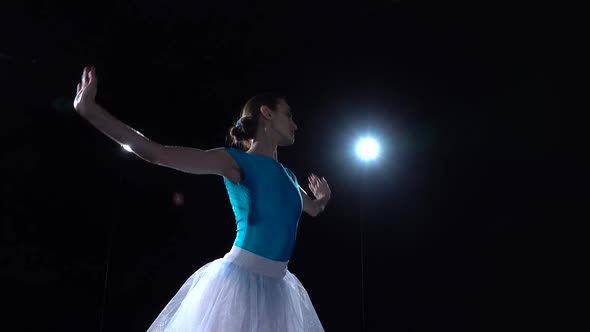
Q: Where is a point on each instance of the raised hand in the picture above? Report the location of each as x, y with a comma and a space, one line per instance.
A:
86, 90
319, 187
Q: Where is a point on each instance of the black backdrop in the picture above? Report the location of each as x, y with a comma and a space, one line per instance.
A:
464, 217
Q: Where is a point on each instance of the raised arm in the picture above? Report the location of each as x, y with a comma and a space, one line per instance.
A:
190, 160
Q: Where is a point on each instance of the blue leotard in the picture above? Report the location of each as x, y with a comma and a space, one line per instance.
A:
267, 205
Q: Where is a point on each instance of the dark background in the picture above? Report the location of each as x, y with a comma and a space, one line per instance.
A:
464, 216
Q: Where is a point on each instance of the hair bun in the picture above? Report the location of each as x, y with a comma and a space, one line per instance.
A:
237, 132
244, 129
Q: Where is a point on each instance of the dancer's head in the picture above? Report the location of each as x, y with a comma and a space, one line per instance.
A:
264, 117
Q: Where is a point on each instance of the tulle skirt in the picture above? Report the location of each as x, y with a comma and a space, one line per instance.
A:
240, 292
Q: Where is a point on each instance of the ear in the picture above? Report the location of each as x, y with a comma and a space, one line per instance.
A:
266, 112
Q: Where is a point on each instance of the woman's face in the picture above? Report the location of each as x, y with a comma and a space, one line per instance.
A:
283, 124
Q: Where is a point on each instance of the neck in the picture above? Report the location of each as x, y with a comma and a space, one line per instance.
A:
265, 149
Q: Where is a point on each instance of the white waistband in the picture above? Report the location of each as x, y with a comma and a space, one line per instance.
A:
256, 263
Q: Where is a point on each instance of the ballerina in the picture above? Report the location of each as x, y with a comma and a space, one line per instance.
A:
250, 288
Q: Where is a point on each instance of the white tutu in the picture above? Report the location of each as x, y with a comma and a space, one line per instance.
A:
240, 292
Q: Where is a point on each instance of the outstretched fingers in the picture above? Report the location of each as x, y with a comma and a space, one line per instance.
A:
84, 77
92, 75
316, 182
317, 179
312, 180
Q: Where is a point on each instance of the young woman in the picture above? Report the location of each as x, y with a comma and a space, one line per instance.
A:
250, 288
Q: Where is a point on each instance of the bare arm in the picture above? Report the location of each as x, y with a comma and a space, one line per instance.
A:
120, 132
190, 160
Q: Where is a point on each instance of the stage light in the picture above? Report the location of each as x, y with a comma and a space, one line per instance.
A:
126, 147
367, 148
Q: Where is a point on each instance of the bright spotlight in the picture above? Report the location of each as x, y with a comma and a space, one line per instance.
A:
367, 148
126, 147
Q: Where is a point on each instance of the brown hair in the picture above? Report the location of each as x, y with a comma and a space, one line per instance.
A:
244, 129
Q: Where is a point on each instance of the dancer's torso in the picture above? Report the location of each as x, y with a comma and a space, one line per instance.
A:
267, 205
